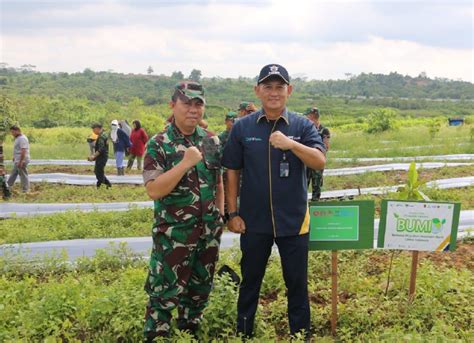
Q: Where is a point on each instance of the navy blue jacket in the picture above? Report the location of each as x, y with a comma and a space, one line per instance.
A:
123, 141
270, 204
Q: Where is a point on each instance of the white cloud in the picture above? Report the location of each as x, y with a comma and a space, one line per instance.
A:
320, 39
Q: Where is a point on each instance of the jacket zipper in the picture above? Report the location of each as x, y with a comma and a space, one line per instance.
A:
270, 178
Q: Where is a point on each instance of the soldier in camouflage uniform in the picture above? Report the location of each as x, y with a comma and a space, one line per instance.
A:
245, 108
315, 177
182, 174
5, 123
229, 122
100, 155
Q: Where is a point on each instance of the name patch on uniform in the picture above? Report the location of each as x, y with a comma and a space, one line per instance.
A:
253, 139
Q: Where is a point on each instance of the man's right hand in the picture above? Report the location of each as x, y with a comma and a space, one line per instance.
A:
192, 156
236, 225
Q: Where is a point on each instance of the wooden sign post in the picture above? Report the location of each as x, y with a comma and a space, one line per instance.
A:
338, 225
414, 266
334, 299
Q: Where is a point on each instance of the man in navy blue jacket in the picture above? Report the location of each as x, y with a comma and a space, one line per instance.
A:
272, 148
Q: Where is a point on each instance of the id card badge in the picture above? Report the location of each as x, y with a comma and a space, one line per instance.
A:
284, 167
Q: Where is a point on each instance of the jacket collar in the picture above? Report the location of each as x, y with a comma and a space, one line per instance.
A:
283, 115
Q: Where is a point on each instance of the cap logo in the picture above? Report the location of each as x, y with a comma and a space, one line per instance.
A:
274, 70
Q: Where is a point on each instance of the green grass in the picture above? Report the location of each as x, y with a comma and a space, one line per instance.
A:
74, 225
392, 178
43, 192
102, 299
138, 222
398, 142
70, 143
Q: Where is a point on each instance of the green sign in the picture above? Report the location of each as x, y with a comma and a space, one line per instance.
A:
418, 225
335, 223
338, 225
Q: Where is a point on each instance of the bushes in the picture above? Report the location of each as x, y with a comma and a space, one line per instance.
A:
381, 120
102, 299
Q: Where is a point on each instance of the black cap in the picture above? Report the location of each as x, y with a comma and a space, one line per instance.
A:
273, 70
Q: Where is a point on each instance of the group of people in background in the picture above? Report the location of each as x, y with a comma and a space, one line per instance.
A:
126, 140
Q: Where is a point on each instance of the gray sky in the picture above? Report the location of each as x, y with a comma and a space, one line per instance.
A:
318, 39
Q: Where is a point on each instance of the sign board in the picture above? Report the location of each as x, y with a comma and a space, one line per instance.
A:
339, 225
418, 225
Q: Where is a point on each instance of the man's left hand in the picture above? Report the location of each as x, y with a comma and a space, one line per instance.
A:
280, 141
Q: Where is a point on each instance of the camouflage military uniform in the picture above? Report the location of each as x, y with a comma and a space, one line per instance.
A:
223, 137
315, 177
186, 231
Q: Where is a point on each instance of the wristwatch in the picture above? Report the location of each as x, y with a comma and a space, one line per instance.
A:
229, 216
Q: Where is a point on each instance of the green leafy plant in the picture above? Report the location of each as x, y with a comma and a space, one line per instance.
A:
411, 190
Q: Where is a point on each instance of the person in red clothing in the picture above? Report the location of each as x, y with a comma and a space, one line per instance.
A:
139, 139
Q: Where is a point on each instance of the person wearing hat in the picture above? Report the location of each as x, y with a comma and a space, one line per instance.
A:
182, 174
121, 143
229, 122
100, 155
272, 148
315, 177
245, 108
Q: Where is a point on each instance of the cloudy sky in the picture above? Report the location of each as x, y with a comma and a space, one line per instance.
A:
317, 39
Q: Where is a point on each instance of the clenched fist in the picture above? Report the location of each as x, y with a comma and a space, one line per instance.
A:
192, 156
280, 141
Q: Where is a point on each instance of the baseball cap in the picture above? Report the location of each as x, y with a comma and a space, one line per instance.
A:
243, 105
190, 90
311, 110
231, 115
273, 70
114, 122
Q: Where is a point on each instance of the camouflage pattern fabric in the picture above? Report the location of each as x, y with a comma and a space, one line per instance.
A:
186, 231
315, 177
223, 137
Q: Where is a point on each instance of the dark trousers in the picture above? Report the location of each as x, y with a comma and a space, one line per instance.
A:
99, 172
256, 249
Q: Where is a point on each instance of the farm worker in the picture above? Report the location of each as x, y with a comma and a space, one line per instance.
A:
21, 158
245, 108
271, 147
100, 155
121, 143
316, 176
91, 141
182, 174
138, 137
5, 124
